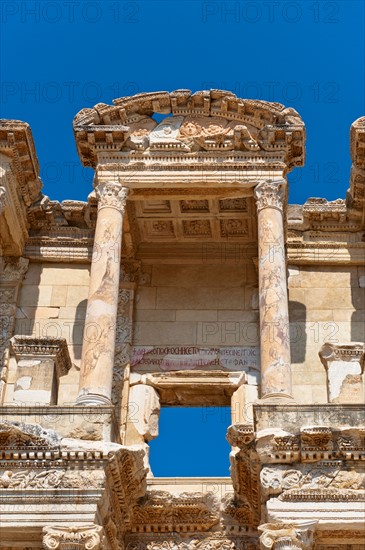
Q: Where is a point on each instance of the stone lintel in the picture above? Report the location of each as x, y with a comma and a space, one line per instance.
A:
196, 388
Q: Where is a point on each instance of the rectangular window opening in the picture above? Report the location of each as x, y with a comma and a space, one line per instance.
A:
191, 442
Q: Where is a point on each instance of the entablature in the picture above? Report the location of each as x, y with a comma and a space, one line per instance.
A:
202, 126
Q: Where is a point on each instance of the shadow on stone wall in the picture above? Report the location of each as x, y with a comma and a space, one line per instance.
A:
358, 302
78, 328
298, 337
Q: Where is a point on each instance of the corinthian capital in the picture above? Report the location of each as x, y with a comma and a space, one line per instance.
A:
83, 537
270, 194
112, 195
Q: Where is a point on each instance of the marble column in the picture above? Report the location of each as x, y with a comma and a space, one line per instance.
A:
273, 296
101, 315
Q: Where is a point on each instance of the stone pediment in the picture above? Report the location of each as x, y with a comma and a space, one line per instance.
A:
205, 122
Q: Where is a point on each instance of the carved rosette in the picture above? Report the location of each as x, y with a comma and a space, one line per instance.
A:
270, 194
83, 537
112, 195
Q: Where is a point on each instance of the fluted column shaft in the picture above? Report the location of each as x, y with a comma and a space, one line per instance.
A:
273, 295
100, 324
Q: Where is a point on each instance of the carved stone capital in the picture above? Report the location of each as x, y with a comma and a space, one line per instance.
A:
270, 194
352, 351
83, 537
112, 195
285, 536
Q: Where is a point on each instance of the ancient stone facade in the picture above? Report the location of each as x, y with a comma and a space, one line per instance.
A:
185, 278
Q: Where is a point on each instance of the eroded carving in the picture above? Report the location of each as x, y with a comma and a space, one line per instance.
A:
185, 512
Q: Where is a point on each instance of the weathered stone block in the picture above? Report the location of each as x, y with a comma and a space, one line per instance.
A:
144, 412
344, 364
41, 362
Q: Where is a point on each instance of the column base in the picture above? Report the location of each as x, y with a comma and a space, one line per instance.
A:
93, 399
277, 399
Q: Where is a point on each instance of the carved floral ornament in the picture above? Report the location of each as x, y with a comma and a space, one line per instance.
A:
112, 195
198, 542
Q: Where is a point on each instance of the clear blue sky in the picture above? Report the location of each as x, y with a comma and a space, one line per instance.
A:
61, 56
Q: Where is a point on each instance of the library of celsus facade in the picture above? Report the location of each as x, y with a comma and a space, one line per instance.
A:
184, 279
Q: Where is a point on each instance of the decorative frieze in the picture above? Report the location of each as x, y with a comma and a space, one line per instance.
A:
199, 541
311, 444
324, 481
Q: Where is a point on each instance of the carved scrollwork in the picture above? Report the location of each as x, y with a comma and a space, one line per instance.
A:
275, 536
83, 537
31, 479
213, 541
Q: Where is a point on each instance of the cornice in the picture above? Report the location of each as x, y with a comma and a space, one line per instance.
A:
16, 142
